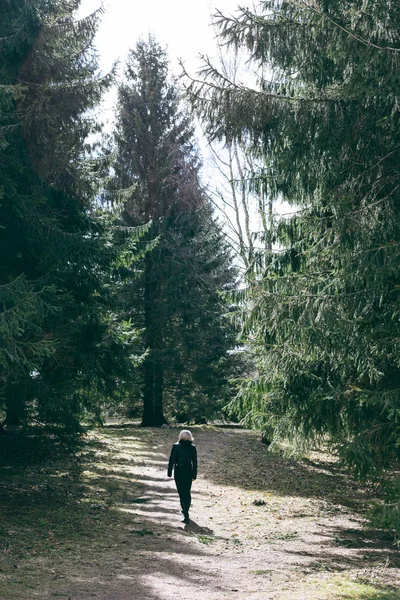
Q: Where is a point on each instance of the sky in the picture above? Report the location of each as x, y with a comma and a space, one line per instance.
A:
184, 26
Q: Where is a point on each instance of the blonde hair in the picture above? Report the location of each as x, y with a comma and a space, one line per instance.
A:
185, 434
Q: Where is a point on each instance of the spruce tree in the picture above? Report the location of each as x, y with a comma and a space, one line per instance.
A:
177, 297
323, 318
63, 347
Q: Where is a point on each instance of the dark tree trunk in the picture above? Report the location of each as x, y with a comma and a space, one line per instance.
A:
153, 415
159, 418
15, 408
148, 392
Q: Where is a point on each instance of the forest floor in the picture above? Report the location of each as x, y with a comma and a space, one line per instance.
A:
106, 524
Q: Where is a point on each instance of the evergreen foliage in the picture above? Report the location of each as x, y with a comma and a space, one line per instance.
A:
324, 309
63, 347
177, 300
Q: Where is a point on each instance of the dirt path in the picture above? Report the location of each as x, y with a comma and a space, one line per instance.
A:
262, 527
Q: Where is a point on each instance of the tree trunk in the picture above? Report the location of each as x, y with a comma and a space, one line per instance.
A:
148, 392
153, 415
159, 418
15, 408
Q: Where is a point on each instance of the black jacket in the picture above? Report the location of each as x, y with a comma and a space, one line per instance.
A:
183, 458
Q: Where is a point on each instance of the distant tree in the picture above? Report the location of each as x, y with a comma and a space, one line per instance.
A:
63, 346
199, 334
178, 296
239, 189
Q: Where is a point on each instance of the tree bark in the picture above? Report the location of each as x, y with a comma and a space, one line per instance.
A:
15, 408
153, 414
148, 392
158, 372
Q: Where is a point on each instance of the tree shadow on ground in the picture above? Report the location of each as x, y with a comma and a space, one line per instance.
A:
239, 460
341, 549
246, 463
62, 513
91, 523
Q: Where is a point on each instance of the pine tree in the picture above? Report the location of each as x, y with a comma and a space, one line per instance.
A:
177, 296
324, 313
63, 347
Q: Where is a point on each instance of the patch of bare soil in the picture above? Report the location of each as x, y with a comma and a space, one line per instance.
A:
263, 527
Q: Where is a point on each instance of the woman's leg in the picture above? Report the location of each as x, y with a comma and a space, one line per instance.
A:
179, 487
183, 485
188, 498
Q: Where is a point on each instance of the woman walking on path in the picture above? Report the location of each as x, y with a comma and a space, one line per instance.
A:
183, 461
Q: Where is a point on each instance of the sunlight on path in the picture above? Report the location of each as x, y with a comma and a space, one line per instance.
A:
263, 527
260, 529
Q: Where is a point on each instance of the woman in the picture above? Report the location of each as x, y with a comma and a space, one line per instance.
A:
183, 461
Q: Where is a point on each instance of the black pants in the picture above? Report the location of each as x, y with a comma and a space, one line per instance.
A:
183, 480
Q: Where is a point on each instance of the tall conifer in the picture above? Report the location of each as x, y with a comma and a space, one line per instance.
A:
324, 318
61, 347
178, 294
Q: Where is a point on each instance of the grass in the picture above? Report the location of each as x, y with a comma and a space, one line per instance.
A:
142, 532
284, 537
340, 587
205, 539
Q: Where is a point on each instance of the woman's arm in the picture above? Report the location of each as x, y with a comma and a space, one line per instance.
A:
194, 463
171, 461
